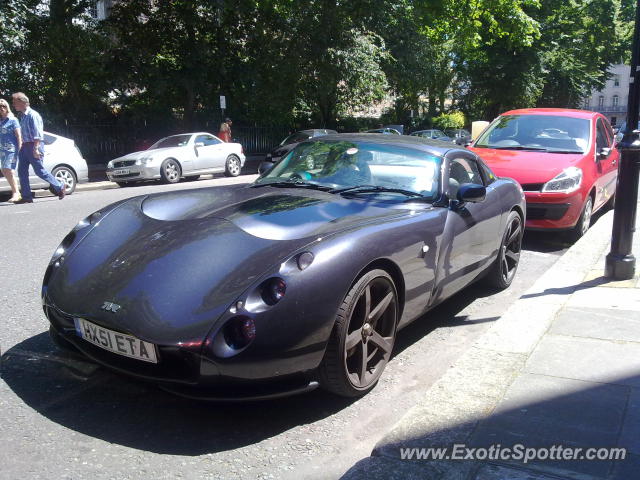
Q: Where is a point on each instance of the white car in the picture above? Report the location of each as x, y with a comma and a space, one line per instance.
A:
186, 155
63, 159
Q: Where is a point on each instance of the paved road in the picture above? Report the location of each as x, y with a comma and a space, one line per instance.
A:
63, 418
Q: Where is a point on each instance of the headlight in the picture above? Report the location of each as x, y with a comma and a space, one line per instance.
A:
567, 181
110, 164
144, 160
68, 240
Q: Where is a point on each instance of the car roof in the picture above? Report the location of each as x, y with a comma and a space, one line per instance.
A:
559, 112
313, 131
433, 147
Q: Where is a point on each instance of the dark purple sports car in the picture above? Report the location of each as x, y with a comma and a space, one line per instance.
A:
299, 279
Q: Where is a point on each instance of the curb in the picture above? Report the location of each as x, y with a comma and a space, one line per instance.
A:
472, 387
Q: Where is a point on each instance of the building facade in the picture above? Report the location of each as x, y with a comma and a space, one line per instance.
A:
612, 99
100, 9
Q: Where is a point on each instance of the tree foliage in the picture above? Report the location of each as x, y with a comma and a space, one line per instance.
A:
286, 62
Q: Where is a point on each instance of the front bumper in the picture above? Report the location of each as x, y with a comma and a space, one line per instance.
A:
184, 371
132, 173
553, 210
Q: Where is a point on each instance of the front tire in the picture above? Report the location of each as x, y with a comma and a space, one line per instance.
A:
65, 176
232, 166
503, 270
363, 336
584, 222
170, 171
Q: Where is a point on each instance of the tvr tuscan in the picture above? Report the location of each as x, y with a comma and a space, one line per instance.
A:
299, 279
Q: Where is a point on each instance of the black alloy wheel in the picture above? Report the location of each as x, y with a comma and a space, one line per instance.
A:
363, 336
505, 266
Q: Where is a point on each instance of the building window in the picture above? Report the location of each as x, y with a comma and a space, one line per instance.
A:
601, 101
615, 100
616, 80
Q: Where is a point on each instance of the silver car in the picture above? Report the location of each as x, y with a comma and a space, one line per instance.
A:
63, 159
186, 155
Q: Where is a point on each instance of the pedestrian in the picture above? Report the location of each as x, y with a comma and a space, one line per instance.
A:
32, 150
10, 143
225, 130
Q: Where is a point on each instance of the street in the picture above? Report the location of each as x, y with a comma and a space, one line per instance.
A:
65, 418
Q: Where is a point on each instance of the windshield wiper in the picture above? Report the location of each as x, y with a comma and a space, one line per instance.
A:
293, 184
565, 151
375, 188
521, 147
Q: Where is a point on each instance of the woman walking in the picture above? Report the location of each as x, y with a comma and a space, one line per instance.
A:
10, 144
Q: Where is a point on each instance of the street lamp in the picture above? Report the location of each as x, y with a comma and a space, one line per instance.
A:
620, 263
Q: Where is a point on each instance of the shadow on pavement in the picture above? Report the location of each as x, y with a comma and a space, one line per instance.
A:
538, 412
89, 399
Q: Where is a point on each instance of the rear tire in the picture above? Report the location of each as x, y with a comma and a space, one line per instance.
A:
504, 268
67, 178
232, 166
363, 336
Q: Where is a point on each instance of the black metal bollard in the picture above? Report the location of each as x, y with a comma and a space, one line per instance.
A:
620, 263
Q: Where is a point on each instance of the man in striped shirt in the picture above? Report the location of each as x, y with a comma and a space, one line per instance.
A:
32, 151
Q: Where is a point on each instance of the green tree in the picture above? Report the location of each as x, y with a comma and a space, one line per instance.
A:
54, 55
580, 40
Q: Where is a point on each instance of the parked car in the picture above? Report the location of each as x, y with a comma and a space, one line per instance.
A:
565, 160
299, 279
459, 135
385, 130
433, 134
290, 142
63, 159
187, 155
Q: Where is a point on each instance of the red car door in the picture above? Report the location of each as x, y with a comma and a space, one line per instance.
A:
607, 159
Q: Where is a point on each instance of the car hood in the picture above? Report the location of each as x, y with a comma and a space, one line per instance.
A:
175, 262
527, 166
149, 153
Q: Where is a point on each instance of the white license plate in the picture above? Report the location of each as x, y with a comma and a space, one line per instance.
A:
121, 171
116, 342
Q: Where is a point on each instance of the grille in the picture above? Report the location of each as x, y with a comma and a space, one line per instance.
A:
124, 163
532, 187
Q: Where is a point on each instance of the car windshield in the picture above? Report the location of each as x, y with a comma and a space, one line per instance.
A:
358, 168
173, 141
295, 138
549, 133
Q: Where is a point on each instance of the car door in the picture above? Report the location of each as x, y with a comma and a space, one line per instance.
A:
209, 152
607, 158
471, 231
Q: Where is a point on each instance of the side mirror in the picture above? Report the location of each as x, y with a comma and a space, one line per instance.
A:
604, 152
199, 144
264, 167
472, 193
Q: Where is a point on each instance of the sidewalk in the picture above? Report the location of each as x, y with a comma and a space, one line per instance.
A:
561, 367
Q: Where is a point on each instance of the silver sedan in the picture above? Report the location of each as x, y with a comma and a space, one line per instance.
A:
187, 155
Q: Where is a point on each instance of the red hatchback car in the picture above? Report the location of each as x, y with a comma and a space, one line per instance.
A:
565, 160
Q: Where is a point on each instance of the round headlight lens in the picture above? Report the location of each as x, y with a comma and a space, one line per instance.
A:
273, 291
239, 332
